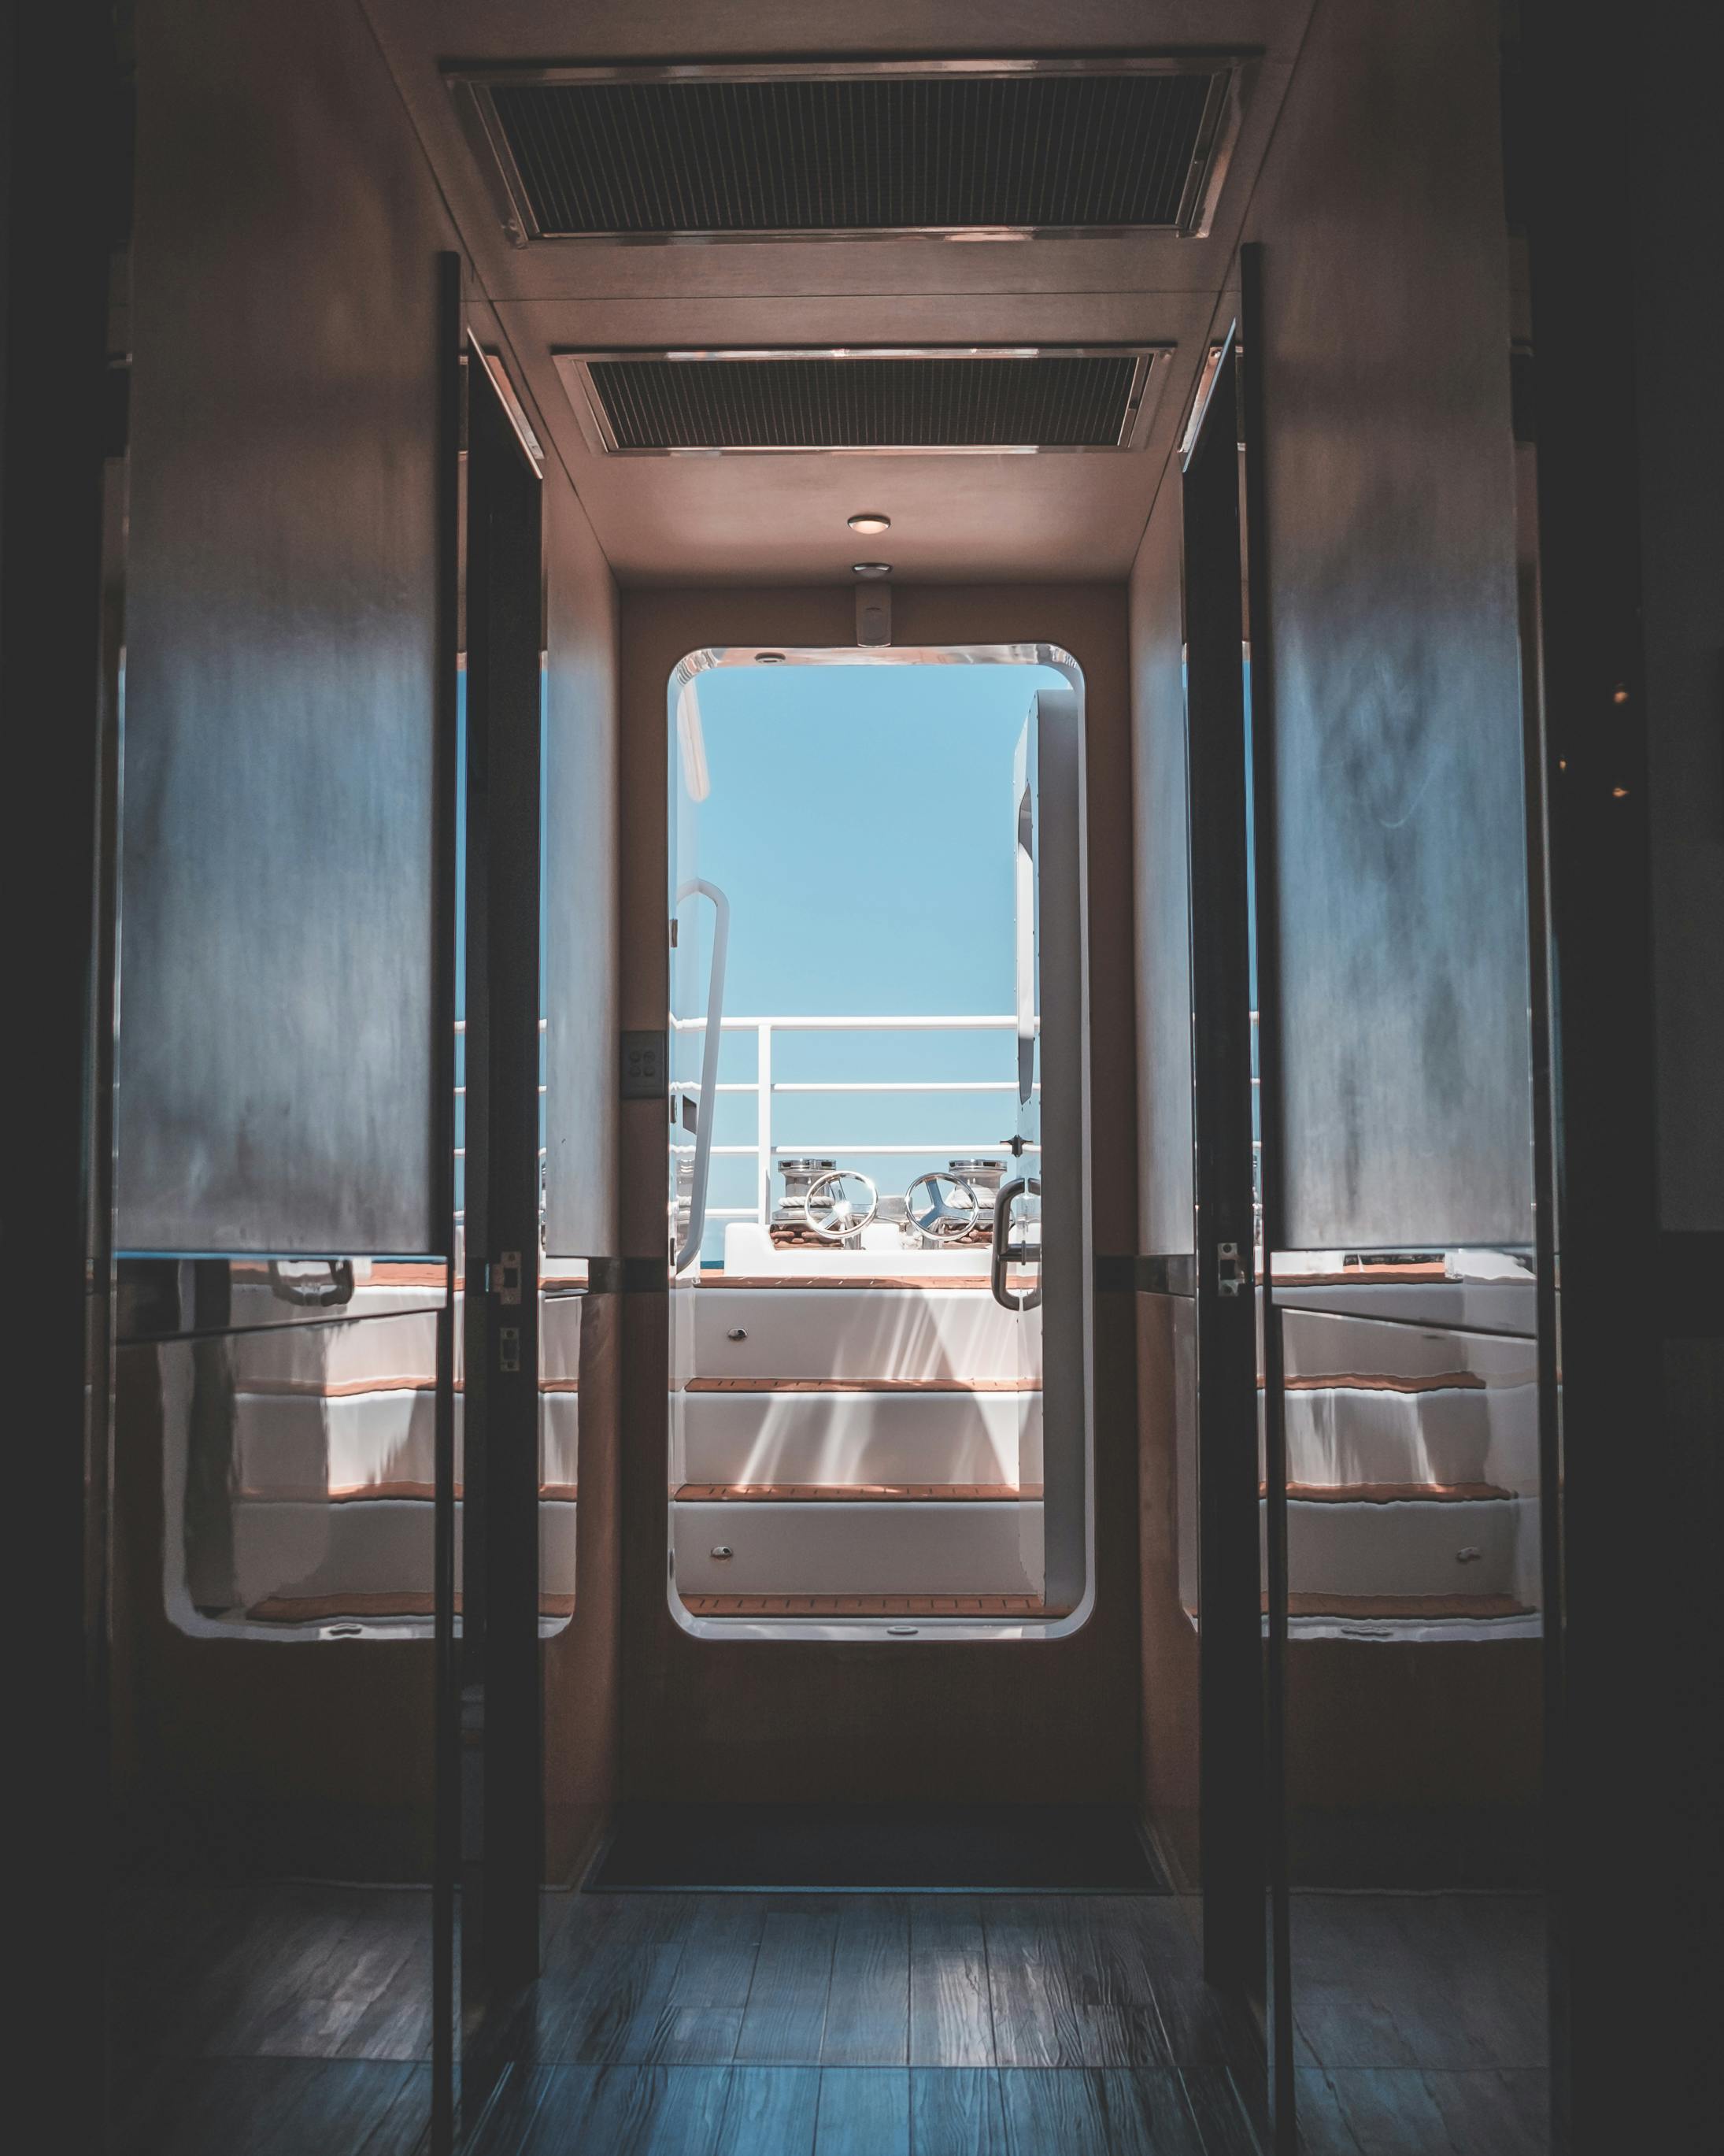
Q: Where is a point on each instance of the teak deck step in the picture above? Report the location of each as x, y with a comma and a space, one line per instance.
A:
317, 1608
360, 1493
1381, 1381
1394, 1493
1428, 1608
871, 1606
870, 1493
312, 1386
863, 1385
1419, 1269
850, 1283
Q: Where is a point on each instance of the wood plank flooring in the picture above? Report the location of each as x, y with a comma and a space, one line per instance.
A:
808, 2025
294, 2020
1420, 2024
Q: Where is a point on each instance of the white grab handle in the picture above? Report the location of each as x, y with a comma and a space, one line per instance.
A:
689, 1251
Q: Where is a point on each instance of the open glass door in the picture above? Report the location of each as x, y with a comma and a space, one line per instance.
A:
498, 1595
1017, 1210
1044, 1229
875, 927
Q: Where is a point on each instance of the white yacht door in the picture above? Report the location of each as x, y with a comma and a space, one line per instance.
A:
863, 1429
1044, 1193
1014, 1267
1042, 1244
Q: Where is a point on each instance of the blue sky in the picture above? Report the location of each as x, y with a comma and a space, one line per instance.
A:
860, 822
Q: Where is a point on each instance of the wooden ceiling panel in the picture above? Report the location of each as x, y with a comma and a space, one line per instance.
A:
765, 519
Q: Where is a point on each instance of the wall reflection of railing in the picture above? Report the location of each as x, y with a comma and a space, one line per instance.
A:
766, 1149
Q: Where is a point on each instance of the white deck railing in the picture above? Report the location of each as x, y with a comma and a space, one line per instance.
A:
764, 1149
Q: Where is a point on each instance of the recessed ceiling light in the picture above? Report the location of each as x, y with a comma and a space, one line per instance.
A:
870, 520
874, 570
769, 658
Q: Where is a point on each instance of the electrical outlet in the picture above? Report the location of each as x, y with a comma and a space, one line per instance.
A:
643, 1059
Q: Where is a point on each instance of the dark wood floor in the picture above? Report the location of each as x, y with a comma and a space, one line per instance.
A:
281, 2021
1420, 2023
294, 2022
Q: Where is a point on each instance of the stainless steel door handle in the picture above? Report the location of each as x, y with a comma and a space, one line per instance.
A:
1004, 1249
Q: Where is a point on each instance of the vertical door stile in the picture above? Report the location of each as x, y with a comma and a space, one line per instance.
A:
1061, 1063
1230, 1660
503, 1826
445, 930
1260, 711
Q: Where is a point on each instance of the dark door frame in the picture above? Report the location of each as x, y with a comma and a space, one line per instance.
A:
1632, 1739
501, 1793
1260, 727
65, 109
446, 928
1231, 1688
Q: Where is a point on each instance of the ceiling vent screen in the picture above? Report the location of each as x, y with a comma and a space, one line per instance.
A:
713, 404
913, 147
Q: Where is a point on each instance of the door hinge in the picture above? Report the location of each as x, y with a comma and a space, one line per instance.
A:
1230, 1275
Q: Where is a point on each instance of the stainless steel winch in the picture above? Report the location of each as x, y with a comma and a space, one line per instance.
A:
789, 1225
984, 1177
952, 1206
799, 1170
944, 1207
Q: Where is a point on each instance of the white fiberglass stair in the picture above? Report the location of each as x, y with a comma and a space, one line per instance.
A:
859, 1436
1412, 1477
333, 1468
860, 1448
921, 1335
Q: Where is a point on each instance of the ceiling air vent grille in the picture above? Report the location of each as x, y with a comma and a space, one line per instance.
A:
847, 151
707, 403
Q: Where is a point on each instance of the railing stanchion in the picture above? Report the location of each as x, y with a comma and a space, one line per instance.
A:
763, 1123
762, 1148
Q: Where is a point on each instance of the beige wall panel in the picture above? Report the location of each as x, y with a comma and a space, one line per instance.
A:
581, 881
1162, 906
719, 1721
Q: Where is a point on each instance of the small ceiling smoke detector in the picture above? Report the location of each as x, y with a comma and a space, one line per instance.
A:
769, 658
870, 520
872, 570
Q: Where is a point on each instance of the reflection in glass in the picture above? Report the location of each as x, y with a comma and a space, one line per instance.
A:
272, 1815
1414, 1697
298, 1469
